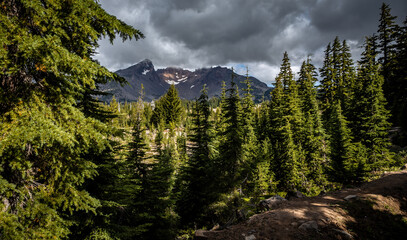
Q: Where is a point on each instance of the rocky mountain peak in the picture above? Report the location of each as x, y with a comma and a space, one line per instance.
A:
188, 83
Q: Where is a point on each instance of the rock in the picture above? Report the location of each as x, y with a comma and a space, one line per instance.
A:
294, 195
216, 227
404, 167
199, 235
310, 225
271, 202
251, 237
344, 234
351, 198
294, 224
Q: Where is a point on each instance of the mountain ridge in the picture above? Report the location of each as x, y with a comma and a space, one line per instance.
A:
188, 83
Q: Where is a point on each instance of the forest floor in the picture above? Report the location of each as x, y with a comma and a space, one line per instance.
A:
374, 210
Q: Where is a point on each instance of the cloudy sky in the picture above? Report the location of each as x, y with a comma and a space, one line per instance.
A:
255, 33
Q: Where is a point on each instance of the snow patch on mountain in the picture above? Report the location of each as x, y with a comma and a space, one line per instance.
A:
171, 82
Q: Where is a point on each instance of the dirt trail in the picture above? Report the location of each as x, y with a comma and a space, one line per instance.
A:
377, 211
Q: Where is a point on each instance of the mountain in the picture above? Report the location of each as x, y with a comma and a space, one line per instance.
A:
188, 83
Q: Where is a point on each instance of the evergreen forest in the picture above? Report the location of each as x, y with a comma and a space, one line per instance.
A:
73, 167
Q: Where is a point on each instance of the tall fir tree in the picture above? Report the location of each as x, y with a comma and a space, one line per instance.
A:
337, 75
284, 113
168, 108
249, 142
400, 112
46, 137
340, 144
371, 123
276, 114
315, 141
198, 175
327, 86
290, 175
155, 203
231, 146
346, 78
264, 181
388, 31
293, 102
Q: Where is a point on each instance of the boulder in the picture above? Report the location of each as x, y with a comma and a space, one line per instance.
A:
294, 195
351, 198
250, 237
310, 225
344, 234
271, 202
199, 235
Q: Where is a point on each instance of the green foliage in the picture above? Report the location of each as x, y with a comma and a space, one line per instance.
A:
371, 124
250, 146
315, 139
72, 167
50, 124
45, 174
168, 108
337, 75
263, 178
341, 144
199, 189
231, 146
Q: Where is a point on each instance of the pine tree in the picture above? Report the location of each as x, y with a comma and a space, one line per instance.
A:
168, 108
263, 178
371, 123
338, 74
399, 105
172, 106
198, 190
220, 113
285, 140
231, 146
387, 41
347, 78
155, 202
340, 144
357, 167
327, 86
289, 159
262, 120
277, 113
249, 143
315, 143
48, 68
293, 102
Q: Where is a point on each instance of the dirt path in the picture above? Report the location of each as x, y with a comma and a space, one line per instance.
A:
378, 210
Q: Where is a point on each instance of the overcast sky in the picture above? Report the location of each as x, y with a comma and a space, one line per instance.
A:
255, 33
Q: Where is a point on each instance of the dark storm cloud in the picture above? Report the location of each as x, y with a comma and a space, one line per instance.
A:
194, 34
